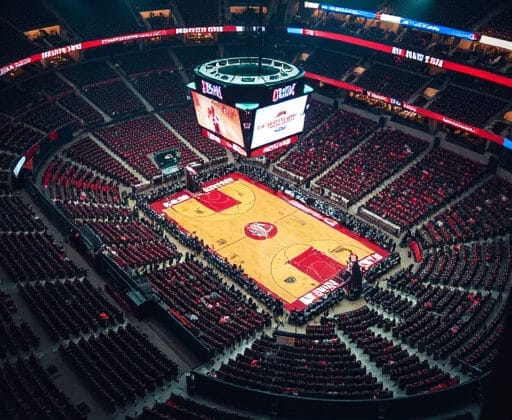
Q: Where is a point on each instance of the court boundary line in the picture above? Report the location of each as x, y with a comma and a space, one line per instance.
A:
237, 176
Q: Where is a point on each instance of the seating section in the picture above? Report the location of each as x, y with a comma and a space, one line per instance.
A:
382, 155
329, 63
201, 12
425, 187
335, 137
103, 86
481, 85
77, 106
448, 12
388, 300
70, 308
66, 181
27, 251
444, 318
135, 140
473, 266
183, 120
320, 331
144, 255
28, 391
14, 337
361, 319
179, 408
441, 336
82, 195
391, 81
81, 212
6, 159
119, 365
48, 84
89, 198
50, 116
147, 62
100, 19
90, 74
19, 46
484, 213
454, 331
218, 315
413, 375
303, 366
115, 99
481, 350
316, 113
477, 109
34, 256
17, 217
14, 101
15, 137
124, 232
88, 152
27, 16
161, 89
499, 25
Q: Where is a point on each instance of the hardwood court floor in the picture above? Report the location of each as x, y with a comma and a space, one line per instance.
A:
269, 251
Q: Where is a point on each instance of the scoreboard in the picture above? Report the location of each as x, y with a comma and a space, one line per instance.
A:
250, 105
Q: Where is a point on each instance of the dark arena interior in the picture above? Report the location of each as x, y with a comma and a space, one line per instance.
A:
342, 250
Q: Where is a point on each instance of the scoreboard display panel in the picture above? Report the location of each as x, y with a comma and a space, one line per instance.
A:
218, 118
278, 121
250, 105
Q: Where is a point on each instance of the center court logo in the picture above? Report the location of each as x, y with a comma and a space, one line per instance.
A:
260, 230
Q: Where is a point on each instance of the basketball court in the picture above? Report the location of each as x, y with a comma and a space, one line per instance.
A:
292, 251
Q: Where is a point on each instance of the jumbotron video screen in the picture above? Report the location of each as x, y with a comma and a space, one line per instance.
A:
278, 121
219, 118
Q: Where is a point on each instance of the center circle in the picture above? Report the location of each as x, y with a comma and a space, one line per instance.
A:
260, 230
